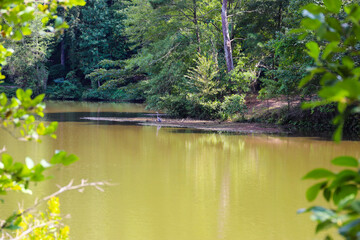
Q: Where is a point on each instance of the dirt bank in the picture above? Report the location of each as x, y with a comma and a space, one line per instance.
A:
235, 127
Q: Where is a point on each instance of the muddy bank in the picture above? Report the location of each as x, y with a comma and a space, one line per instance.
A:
234, 127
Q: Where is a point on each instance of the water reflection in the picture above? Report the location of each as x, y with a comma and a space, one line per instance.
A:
179, 184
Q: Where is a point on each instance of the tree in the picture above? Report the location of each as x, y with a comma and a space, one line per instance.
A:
95, 33
17, 16
337, 66
27, 65
19, 113
226, 35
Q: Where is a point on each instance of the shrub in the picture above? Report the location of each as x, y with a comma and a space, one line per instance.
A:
64, 90
175, 106
203, 109
234, 104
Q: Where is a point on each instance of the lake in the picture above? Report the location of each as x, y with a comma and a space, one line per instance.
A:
176, 184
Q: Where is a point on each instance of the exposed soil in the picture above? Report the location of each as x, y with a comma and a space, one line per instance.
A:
255, 106
198, 124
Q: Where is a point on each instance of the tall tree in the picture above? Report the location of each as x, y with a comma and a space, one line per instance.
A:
226, 36
27, 66
95, 33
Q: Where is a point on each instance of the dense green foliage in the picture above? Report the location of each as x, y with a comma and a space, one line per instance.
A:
17, 115
336, 54
170, 55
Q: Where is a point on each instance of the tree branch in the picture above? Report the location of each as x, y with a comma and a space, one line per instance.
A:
166, 55
84, 183
23, 234
3, 150
236, 39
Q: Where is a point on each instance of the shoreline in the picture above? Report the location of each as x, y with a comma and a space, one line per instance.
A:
206, 125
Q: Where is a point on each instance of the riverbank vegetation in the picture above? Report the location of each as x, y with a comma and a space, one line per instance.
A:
197, 59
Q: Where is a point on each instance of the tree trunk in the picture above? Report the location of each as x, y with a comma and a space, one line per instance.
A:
227, 41
62, 58
280, 15
196, 26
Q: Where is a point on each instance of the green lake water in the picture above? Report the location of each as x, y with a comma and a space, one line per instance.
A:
176, 184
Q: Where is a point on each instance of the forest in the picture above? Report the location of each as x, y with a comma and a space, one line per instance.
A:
199, 59
188, 58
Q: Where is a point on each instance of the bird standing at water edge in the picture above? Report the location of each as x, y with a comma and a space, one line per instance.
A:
158, 119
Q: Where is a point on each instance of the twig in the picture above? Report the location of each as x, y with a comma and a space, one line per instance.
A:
3, 150
84, 183
23, 234
236, 39
166, 55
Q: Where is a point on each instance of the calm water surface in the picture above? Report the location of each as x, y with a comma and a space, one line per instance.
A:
176, 184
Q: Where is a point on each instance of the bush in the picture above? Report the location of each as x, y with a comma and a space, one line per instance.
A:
234, 104
186, 106
64, 90
202, 109
174, 106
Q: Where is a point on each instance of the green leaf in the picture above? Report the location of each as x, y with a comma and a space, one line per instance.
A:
25, 30
314, 8
314, 50
324, 225
58, 157
344, 192
308, 105
6, 160
319, 173
348, 62
305, 80
330, 48
70, 159
12, 227
310, 24
327, 194
343, 177
351, 226
38, 99
17, 36
356, 206
313, 191
3, 99
338, 133
334, 24
321, 214
345, 161
333, 5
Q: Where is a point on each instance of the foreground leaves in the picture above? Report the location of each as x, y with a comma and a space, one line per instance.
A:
342, 189
19, 114
335, 54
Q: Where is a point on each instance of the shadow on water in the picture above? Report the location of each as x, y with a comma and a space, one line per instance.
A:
79, 117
